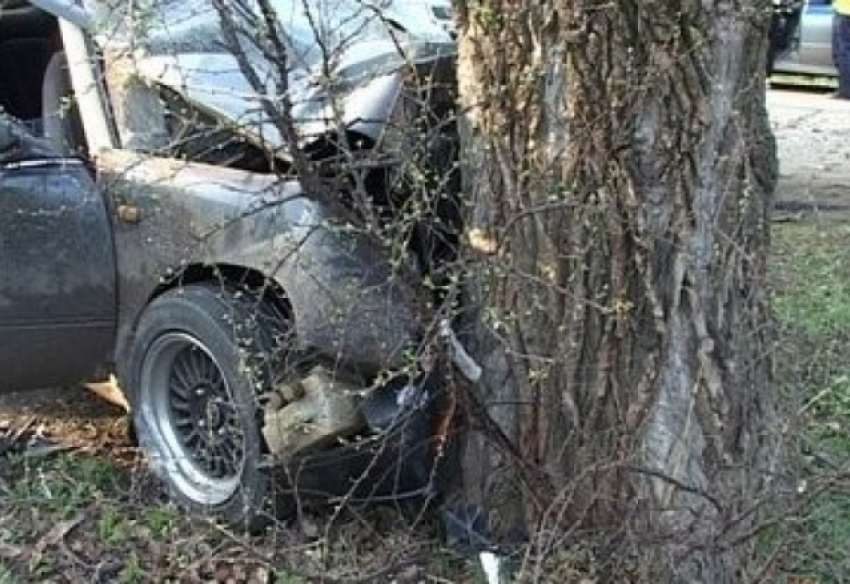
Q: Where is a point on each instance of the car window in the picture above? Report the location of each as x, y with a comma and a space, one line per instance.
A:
18, 143
36, 87
7, 137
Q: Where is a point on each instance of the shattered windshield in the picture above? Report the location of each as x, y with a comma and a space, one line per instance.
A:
313, 29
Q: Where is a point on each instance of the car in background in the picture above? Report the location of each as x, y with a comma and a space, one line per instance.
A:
801, 38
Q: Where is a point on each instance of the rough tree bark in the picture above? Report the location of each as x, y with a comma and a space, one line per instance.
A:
621, 167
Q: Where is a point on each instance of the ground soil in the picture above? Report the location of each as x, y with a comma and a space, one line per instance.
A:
813, 140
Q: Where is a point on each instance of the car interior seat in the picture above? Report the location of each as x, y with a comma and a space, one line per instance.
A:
20, 61
27, 37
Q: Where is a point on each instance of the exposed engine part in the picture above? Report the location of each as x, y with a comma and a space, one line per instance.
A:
324, 409
387, 405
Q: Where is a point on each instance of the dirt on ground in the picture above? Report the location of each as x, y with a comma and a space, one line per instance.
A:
812, 130
66, 417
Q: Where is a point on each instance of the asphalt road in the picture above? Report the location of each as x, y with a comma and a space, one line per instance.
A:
812, 130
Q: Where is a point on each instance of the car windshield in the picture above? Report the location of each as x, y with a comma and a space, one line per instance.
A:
314, 29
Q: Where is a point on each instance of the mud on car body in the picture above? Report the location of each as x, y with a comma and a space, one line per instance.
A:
269, 340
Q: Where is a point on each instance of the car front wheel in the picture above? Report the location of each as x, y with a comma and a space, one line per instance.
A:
201, 357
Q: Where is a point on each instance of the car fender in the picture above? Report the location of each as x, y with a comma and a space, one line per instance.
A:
349, 297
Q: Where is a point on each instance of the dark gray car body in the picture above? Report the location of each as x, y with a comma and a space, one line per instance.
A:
57, 290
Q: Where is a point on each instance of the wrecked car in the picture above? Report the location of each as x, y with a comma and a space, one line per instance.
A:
273, 335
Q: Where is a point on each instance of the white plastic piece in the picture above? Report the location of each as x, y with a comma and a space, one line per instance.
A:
460, 357
491, 564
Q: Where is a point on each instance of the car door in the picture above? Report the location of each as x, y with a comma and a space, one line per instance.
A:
57, 267
801, 38
816, 36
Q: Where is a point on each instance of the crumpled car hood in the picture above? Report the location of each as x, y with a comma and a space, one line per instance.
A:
362, 91
344, 57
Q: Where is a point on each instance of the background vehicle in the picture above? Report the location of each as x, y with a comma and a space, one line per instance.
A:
801, 38
151, 223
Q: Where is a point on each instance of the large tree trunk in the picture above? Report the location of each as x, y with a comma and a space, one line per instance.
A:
621, 168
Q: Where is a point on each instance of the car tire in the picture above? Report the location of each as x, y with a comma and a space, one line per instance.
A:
201, 357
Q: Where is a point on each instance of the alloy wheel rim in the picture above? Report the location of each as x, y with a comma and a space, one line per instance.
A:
199, 435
